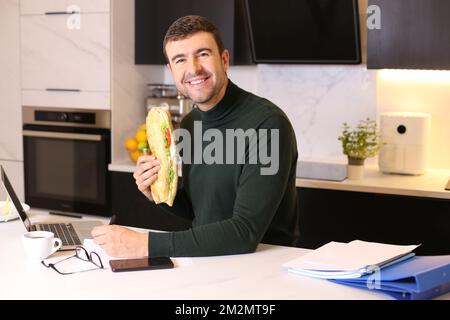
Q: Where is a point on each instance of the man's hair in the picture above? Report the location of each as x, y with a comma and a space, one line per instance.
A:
189, 25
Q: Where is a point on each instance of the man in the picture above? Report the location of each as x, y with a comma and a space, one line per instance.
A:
233, 206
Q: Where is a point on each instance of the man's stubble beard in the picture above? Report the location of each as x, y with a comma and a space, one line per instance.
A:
214, 92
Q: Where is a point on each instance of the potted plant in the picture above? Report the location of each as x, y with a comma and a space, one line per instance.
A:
358, 145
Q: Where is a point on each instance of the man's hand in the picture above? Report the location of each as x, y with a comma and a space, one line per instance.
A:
121, 242
146, 173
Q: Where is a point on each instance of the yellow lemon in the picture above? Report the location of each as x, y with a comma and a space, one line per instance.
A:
134, 155
131, 144
142, 145
141, 135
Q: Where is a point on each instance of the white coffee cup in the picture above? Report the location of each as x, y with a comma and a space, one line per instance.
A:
40, 244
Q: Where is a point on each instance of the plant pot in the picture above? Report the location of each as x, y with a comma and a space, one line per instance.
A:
355, 169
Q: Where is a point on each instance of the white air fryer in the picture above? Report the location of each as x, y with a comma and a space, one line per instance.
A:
406, 141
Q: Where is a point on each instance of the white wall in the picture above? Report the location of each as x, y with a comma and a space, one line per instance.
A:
420, 91
14, 170
10, 99
129, 80
11, 154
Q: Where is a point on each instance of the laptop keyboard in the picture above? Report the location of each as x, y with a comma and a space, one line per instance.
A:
64, 231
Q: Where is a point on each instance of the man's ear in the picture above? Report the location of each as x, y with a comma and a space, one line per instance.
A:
169, 67
225, 59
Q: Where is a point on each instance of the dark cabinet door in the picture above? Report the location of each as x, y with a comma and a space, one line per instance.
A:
132, 208
347, 216
414, 34
153, 18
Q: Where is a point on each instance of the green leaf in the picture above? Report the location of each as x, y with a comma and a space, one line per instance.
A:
363, 142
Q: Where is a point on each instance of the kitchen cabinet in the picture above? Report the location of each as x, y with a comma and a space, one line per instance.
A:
132, 208
414, 34
153, 18
346, 216
65, 58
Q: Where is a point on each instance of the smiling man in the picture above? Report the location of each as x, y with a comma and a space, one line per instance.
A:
233, 206
198, 65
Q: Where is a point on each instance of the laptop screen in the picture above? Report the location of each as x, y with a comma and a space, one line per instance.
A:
15, 200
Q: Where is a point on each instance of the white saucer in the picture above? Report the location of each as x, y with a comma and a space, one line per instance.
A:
12, 215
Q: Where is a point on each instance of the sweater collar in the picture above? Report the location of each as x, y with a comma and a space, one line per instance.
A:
225, 106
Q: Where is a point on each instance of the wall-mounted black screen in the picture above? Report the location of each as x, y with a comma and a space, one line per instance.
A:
153, 18
304, 31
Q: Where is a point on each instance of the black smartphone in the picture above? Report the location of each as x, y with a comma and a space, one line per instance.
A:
140, 264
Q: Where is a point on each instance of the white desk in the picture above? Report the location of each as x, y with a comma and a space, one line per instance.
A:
250, 276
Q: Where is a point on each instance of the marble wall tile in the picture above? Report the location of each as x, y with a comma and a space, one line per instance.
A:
317, 100
14, 170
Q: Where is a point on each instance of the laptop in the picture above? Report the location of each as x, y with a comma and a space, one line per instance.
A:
72, 234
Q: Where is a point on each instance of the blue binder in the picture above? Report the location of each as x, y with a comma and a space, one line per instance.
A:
418, 278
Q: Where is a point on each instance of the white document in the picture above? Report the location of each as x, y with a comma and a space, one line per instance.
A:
90, 245
348, 260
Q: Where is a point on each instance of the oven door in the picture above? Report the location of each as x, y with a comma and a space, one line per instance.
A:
66, 169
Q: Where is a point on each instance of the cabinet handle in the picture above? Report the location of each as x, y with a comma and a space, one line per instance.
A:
62, 12
63, 90
62, 135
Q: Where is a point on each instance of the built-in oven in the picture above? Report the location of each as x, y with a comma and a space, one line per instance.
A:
66, 156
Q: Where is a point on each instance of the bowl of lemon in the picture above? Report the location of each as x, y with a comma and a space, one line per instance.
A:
138, 145
9, 212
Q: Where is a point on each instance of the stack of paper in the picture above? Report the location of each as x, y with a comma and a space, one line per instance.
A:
388, 268
337, 260
90, 245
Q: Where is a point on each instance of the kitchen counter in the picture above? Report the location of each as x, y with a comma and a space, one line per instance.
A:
123, 166
430, 185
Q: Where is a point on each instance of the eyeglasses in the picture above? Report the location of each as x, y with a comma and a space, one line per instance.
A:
81, 254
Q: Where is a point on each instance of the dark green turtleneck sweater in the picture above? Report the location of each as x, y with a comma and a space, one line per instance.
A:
232, 205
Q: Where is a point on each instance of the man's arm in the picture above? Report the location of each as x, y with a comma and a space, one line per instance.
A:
258, 198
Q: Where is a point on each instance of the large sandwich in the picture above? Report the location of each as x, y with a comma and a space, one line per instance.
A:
162, 145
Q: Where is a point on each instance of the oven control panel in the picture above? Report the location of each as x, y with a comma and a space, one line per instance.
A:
65, 117
59, 116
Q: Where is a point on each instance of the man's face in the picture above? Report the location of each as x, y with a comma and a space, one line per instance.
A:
198, 68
